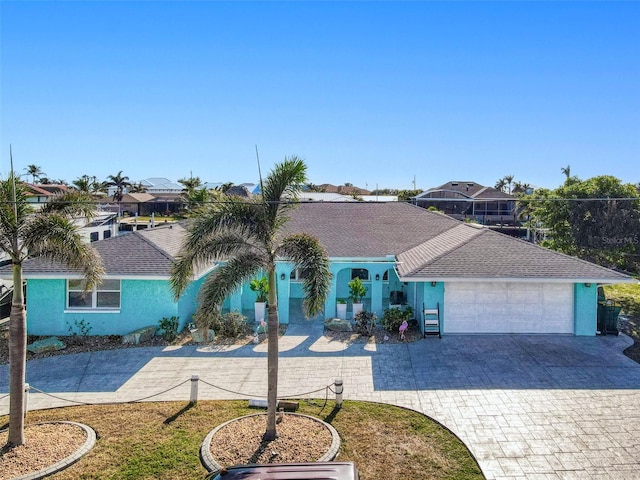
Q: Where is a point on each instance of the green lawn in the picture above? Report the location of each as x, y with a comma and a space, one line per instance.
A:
162, 440
627, 295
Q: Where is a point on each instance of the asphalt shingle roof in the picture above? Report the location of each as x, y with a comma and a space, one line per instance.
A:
364, 229
494, 255
146, 253
428, 246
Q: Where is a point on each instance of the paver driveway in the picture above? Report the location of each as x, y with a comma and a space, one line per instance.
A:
526, 406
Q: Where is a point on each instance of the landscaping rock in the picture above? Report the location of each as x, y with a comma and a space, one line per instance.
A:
141, 335
337, 325
46, 345
198, 337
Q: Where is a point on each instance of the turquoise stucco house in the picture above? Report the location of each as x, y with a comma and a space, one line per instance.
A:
481, 281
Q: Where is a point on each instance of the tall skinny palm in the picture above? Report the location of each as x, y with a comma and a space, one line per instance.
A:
120, 182
246, 234
48, 233
35, 171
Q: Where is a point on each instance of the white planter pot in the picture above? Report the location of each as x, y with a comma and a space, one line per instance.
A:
342, 311
260, 310
357, 308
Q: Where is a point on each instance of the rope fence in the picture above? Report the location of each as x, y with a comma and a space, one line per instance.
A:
195, 380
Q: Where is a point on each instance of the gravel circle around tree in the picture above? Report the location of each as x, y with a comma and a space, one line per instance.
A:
40, 456
301, 438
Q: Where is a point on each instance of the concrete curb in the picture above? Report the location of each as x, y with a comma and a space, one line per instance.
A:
212, 466
68, 461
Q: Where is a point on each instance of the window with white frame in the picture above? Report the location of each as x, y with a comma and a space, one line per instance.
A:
105, 296
297, 275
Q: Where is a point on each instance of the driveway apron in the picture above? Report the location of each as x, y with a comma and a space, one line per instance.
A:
534, 407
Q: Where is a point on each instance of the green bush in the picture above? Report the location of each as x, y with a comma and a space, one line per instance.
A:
392, 318
365, 322
229, 325
169, 328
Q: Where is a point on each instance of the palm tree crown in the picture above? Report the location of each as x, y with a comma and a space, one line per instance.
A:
244, 235
35, 171
48, 233
120, 182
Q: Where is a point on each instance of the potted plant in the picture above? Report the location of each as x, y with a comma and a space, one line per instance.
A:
342, 309
356, 291
261, 287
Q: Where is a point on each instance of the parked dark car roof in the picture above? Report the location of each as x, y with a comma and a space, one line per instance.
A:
290, 471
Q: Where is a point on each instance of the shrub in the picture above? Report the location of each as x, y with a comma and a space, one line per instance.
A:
82, 328
229, 325
169, 328
261, 287
356, 290
392, 318
365, 322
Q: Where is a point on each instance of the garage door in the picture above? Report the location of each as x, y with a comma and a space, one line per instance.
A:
505, 307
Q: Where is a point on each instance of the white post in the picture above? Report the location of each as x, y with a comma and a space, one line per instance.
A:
339, 390
194, 388
26, 397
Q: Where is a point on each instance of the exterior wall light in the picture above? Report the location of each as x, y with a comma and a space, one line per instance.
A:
377, 277
433, 284
282, 276
587, 285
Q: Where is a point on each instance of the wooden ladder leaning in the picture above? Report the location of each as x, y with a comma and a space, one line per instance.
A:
431, 321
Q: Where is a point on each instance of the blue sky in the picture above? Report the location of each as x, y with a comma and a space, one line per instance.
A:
370, 93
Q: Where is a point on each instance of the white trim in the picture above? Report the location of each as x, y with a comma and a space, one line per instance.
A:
519, 279
61, 276
91, 310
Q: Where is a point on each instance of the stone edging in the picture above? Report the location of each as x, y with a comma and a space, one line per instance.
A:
212, 466
67, 461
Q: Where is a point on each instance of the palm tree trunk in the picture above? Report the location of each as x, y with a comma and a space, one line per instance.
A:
272, 359
17, 360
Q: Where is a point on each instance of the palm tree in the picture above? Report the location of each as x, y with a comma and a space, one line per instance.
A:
120, 182
137, 188
48, 233
501, 184
35, 171
509, 181
83, 184
566, 171
246, 234
190, 183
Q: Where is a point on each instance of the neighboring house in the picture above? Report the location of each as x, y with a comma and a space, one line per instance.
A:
100, 227
38, 195
160, 185
324, 197
308, 196
483, 281
343, 189
472, 201
378, 198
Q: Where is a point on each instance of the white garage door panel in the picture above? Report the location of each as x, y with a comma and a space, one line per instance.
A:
505, 307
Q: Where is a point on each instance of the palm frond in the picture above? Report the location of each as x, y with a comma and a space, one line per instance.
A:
286, 179
234, 214
73, 203
10, 224
311, 259
201, 251
54, 237
223, 281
